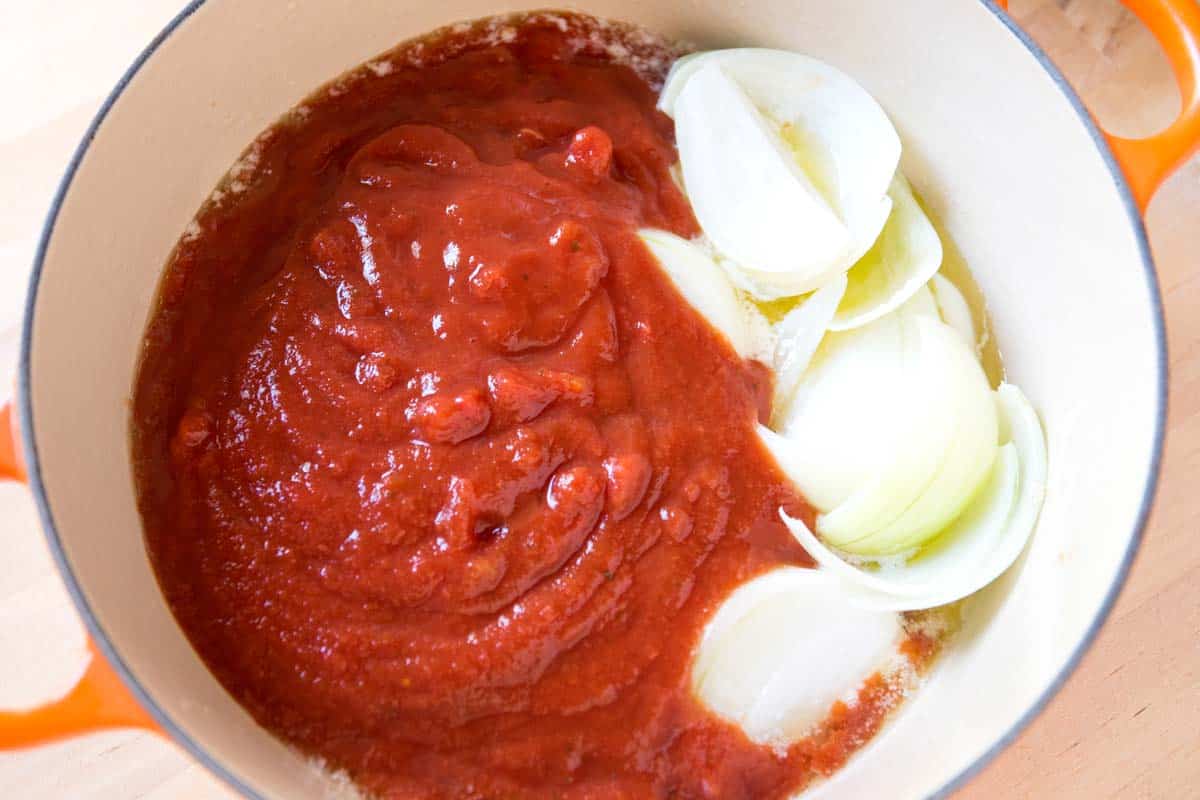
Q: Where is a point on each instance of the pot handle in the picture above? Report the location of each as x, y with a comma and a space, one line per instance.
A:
99, 700
12, 466
1150, 161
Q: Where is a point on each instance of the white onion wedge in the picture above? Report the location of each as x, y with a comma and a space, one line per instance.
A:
904, 258
704, 285
958, 380
922, 302
890, 432
846, 417
1022, 427
683, 68
954, 309
751, 198
976, 548
835, 131
973, 536
784, 647
805, 324
798, 335
924, 399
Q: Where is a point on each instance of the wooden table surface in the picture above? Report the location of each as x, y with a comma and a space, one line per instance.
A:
1126, 725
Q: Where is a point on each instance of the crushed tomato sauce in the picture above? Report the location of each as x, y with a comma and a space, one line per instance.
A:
439, 473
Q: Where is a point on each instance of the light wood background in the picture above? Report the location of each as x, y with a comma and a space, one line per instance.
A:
1127, 725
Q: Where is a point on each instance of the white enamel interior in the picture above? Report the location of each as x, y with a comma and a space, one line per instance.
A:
992, 145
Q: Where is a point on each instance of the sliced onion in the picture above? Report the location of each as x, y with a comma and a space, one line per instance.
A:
904, 258
976, 548
890, 433
751, 198
704, 285
957, 391
784, 647
972, 537
921, 302
954, 309
926, 482
844, 421
683, 68
798, 335
834, 130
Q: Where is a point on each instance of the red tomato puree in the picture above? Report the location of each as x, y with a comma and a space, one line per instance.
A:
439, 473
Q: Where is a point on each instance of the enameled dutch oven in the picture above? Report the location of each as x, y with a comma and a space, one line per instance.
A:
1045, 206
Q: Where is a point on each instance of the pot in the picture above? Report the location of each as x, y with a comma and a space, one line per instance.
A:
1045, 206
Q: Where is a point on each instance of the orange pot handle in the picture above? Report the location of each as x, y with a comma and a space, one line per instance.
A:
1150, 161
12, 466
98, 702
100, 699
